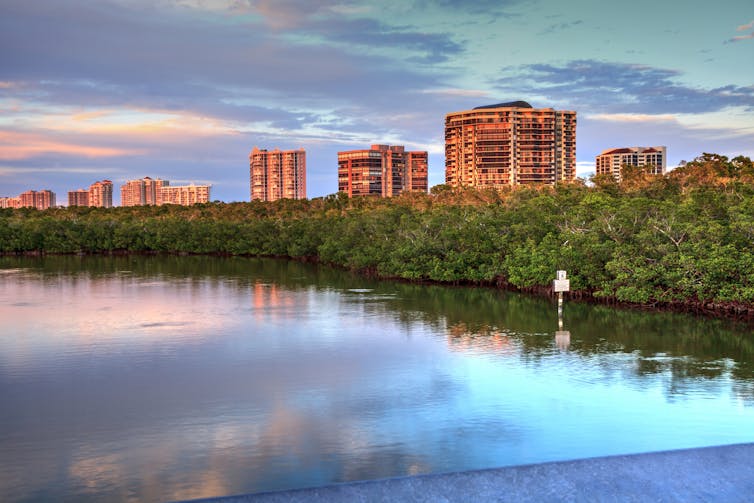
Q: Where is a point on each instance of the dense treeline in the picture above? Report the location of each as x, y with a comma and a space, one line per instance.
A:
683, 239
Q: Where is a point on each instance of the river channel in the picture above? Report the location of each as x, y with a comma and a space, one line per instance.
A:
166, 378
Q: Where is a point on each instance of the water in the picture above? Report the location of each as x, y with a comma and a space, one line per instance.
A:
165, 378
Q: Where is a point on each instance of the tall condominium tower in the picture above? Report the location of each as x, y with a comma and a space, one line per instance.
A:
142, 192
509, 144
381, 171
39, 199
278, 174
610, 161
101, 194
78, 197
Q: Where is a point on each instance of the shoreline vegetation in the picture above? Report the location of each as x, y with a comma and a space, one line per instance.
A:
680, 242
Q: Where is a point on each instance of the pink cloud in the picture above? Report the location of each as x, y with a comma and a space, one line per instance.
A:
17, 145
745, 27
742, 37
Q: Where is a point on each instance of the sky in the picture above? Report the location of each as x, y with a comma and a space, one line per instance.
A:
184, 89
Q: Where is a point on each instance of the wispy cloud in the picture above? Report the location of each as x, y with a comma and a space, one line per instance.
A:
743, 27
553, 28
472, 93
635, 118
607, 87
16, 145
742, 37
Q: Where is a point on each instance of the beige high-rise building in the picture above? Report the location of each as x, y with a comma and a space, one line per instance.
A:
41, 200
142, 192
78, 197
509, 144
610, 161
10, 202
381, 171
185, 195
101, 194
277, 174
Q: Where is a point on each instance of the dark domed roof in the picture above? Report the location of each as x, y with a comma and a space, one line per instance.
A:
512, 104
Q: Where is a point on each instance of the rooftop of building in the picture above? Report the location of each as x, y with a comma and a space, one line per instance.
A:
510, 104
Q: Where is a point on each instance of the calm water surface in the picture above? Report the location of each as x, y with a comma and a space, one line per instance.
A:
164, 378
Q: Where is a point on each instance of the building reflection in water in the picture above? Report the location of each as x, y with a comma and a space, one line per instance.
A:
485, 338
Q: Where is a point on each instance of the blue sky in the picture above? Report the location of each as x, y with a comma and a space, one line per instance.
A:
184, 89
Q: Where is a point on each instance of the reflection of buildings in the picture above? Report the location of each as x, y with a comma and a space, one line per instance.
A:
461, 337
279, 174
267, 297
509, 144
381, 171
610, 162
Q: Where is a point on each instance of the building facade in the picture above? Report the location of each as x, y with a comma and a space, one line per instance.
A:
381, 171
185, 195
277, 174
101, 194
509, 144
10, 202
142, 192
39, 199
610, 161
78, 197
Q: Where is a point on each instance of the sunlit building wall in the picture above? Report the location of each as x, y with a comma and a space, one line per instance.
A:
101, 194
41, 200
417, 174
142, 192
381, 171
610, 161
509, 144
10, 202
185, 195
78, 197
277, 174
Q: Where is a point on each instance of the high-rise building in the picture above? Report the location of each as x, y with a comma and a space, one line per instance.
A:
78, 197
610, 161
184, 195
101, 194
381, 171
40, 200
10, 202
418, 172
277, 174
142, 192
509, 144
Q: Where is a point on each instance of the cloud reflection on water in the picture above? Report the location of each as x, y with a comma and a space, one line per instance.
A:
183, 385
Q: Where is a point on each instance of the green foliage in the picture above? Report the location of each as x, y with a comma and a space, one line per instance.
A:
686, 237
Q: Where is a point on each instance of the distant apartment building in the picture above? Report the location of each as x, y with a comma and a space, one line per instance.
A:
277, 174
381, 171
10, 202
78, 197
146, 191
610, 161
101, 194
509, 144
184, 195
41, 200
